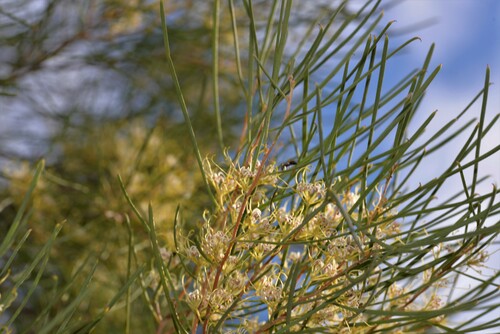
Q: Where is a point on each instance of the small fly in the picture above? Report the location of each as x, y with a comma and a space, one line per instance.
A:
284, 166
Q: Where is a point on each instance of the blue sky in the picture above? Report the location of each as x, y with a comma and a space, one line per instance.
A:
467, 37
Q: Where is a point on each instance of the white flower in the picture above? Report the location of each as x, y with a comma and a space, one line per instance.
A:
194, 298
246, 172
193, 253
256, 214
267, 290
311, 192
220, 300
295, 256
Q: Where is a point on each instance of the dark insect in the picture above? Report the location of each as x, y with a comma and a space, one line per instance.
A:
287, 164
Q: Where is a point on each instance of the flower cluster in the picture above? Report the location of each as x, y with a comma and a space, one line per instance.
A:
288, 247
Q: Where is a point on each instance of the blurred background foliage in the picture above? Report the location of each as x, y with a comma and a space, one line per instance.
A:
69, 64
85, 85
82, 191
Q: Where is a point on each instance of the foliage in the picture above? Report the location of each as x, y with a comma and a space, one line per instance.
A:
67, 65
84, 192
332, 242
313, 221
105, 105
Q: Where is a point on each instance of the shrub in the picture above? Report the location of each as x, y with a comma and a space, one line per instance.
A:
312, 222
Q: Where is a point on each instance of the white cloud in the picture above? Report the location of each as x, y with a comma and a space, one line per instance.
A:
467, 37
457, 34
455, 21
